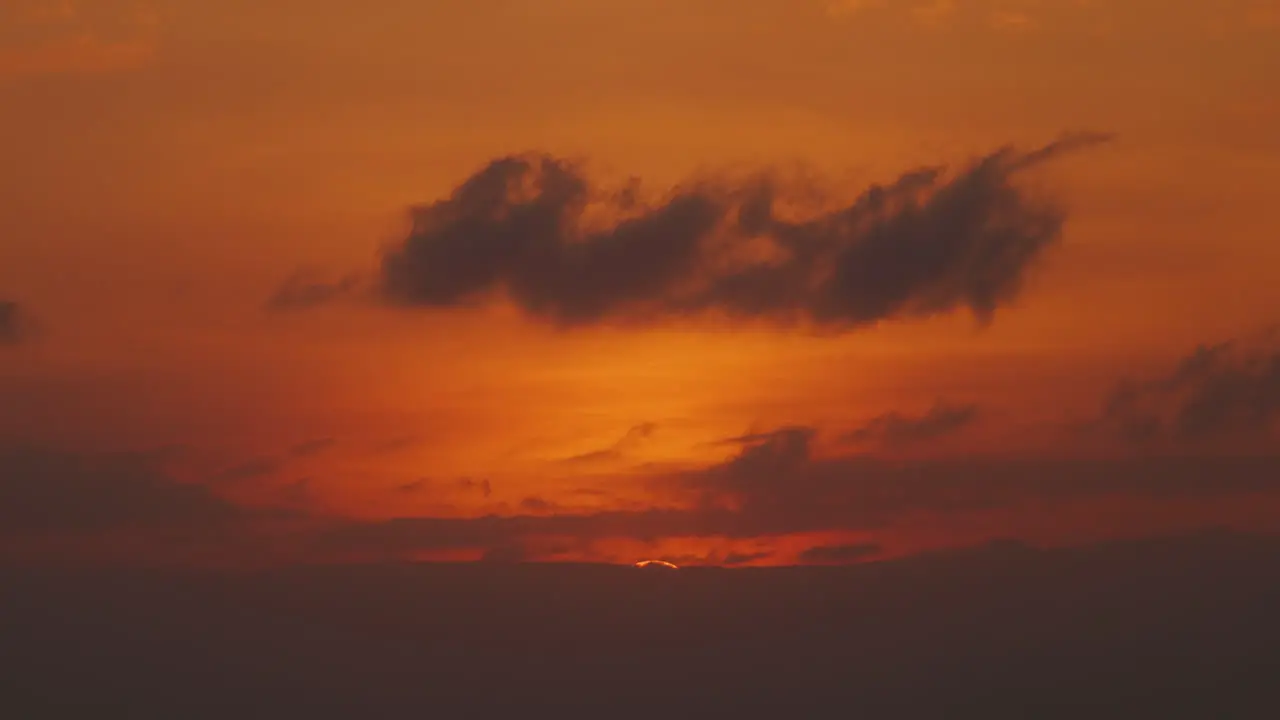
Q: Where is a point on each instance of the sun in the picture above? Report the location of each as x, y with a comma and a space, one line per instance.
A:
657, 564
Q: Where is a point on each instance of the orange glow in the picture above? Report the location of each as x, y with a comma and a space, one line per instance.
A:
312, 134
656, 563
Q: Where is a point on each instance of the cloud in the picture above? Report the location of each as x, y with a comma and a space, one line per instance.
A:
11, 323
483, 486
45, 491
735, 558
304, 289
895, 429
775, 486
251, 469
1227, 391
536, 504
311, 448
840, 554
528, 228
399, 536
634, 437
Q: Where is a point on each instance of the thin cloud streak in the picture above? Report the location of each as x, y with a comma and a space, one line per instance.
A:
1226, 391
895, 429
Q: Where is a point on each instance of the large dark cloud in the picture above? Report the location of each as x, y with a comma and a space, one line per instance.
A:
1225, 391
895, 428
525, 226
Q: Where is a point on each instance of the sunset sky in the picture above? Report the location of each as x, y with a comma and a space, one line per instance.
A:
714, 281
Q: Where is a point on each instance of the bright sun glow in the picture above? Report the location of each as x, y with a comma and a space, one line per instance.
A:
656, 563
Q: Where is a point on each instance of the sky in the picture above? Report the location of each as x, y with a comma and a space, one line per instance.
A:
756, 282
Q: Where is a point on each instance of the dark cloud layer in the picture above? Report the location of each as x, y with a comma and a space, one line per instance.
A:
43, 491
1181, 627
928, 243
897, 429
1225, 391
775, 486
840, 554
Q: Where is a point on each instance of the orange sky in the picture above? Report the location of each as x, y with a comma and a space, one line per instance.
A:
169, 164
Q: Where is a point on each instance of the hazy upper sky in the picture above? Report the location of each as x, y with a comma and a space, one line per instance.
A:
717, 281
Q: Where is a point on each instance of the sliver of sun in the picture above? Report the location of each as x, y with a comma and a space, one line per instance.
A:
657, 564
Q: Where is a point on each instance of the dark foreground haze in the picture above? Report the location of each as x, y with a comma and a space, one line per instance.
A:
1182, 627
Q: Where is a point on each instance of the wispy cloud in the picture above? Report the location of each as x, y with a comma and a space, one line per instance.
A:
634, 437
1226, 391
895, 429
306, 289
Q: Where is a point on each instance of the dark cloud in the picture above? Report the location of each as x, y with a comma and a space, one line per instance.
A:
482, 486
415, 486
928, 243
312, 447
465, 485
1225, 391
634, 437
11, 323
250, 470
537, 504
305, 289
775, 484
394, 538
43, 491
840, 554
898, 429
